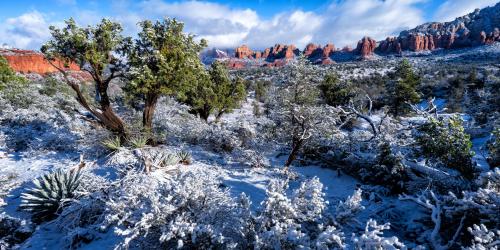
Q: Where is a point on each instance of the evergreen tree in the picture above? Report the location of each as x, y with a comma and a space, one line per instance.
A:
403, 89
95, 49
164, 61
334, 92
215, 91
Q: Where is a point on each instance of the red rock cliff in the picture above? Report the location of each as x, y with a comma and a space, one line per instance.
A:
27, 61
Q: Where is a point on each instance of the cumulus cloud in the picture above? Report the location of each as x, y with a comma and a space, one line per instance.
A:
29, 30
348, 21
451, 9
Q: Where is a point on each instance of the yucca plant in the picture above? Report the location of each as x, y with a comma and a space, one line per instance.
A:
139, 141
163, 159
112, 144
49, 194
184, 157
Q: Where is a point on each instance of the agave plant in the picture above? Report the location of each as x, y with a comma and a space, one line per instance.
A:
49, 194
112, 144
139, 141
184, 157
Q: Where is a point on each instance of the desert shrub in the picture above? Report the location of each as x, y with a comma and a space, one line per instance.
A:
372, 238
51, 86
447, 142
50, 194
494, 148
8, 78
336, 92
387, 171
261, 88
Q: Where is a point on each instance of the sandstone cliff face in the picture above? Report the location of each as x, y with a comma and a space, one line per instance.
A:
27, 61
366, 47
477, 28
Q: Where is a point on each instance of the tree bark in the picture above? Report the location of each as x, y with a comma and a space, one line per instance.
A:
293, 154
149, 109
106, 116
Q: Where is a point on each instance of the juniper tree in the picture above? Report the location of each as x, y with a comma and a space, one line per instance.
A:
334, 92
97, 50
215, 91
164, 61
403, 89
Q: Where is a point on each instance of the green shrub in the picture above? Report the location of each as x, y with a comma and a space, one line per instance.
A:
50, 194
13, 86
447, 142
51, 86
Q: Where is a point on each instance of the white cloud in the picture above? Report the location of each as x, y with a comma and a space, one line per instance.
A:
348, 21
29, 30
342, 22
452, 9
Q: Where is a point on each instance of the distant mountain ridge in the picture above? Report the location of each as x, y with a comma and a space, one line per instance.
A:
477, 28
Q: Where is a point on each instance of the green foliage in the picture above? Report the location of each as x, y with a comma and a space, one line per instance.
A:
50, 194
403, 89
334, 92
184, 157
214, 91
448, 143
9, 78
95, 46
13, 86
261, 88
112, 144
51, 86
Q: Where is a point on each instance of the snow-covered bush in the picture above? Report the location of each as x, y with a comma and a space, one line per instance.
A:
189, 210
447, 142
372, 238
347, 209
484, 239
387, 171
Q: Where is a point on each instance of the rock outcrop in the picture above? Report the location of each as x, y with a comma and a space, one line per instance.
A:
477, 28
366, 47
28, 61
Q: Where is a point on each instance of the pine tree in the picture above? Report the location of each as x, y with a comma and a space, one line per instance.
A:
403, 89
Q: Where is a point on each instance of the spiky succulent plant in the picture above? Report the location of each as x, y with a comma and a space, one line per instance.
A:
47, 197
184, 157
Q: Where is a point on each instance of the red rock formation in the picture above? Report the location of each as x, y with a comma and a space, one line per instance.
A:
266, 53
27, 61
280, 51
311, 50
326, 61
243, 52
328, 50
235, 64
366, 47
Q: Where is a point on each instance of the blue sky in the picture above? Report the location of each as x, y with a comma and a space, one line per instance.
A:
224, 23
